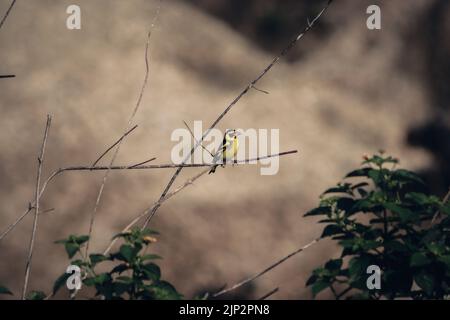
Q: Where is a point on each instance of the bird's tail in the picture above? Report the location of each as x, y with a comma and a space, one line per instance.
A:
213, 169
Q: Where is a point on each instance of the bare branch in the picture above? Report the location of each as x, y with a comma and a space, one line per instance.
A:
127, 167
239, 96
4, 76
36, 207
259, 274
174, 192
7, 13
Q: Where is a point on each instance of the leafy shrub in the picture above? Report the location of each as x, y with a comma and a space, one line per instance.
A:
383, 216
134, 275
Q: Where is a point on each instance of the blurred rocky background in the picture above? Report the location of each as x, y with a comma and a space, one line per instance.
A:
342, 92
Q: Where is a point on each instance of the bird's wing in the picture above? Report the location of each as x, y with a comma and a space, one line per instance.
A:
222, 149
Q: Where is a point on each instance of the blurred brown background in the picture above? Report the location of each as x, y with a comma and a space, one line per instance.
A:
342, 92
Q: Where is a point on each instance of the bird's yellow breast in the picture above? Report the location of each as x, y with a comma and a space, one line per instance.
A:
232, 149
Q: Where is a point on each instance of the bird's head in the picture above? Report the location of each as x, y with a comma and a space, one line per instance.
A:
232, 134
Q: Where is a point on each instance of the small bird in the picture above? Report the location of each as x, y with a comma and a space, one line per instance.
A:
227, 150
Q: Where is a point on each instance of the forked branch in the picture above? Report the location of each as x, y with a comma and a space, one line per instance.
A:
139, 166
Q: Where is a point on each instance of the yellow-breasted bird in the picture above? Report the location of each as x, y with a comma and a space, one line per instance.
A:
227, 150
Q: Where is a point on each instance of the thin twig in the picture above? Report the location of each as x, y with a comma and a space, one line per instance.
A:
334, 291
195, 140
36, 207
14, 224
141, 163
126, 167
261, 273
260, 90
340, 295
239, 96
7, 13
4, 76
130, 120
113, 145
270, 293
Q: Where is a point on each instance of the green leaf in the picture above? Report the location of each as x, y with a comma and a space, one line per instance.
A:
318, 287
364, 205
74, 239
418, 198
345, 188
334, 264
370, 244
127, 252
331, 230
318, 211
151, 271
345, 204
407, 176
311, 280
61, 281
163, 290
100, 280
150, 257
4, 290
405, 214
419, 259
71, 249
363, 172
445, 259
357, 267
398, 280
436, 248
121, 235
120, 288
426, 282
119, 268
376, 176
80, 239
97, 258
36, 295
